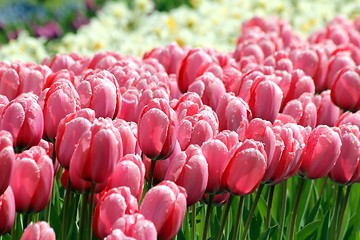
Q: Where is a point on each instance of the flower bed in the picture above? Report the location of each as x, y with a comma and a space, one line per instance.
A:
256, 140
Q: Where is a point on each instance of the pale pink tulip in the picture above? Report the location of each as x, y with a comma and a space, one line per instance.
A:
38, 231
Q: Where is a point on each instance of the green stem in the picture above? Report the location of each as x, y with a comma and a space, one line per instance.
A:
152, 169
283, 207
66, 209
252, 210
193, 222
26, 217
207, 218
269, 206
342, 212
323, 186
91, 210
74, 214
84, 201
337, 209
224, 216
296, 206
238, 217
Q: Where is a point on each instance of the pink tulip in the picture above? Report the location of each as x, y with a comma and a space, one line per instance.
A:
209, 87
186, 166
152, 66
99, 91
188, 104
157, 130
7, 210
327, 112
345, 89
77, 184
320, 153
38, 231
198, 128
3, 102
117, 234
21, 78
98, 149
72, 62
130, 172
23, 118
165, 206
245, 167
349, 118
62, 75
128, 136
162, 166
195, 63
113, 205
136, 226
231, 110
303, 110
59, 94
265, 99
169, 56
280, 61
231, 78
32, 180
69, 132
348, 160
7, 160
104, 60
215, 153
246, 82
356, 176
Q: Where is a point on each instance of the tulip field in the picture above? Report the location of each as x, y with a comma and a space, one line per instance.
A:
212, 120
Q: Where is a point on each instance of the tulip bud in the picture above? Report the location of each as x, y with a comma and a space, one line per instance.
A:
114, 204
136, 226
186, 166
7, 210
327, 112
36, 167
157, 130
23, 118
38, 231
165, 206
59, 94
7, 158
321, 151
245, 168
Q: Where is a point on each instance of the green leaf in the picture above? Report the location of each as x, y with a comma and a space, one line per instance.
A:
308, 230
314, 211
267, 234
323, 234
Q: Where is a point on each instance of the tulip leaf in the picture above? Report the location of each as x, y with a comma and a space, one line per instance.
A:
314, 211
181, 235
308, 230
55, 220
267, 234
304, 202
324, 229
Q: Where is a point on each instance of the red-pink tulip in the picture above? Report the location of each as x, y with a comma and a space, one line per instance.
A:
346, 164
245, 167
195, 63
349, 118
59, 94
128, 136
69, 132
165, 206
113, 205
7, 157
198, 128
21, 78
321, 151
231, 110
78, 184
157, 130
209, 87
7, 210
23, 118
32, 180
345, 89
130, 172
99, 91
38, 231
215, 153
265, 99
98, 149
185, 167
327, 112
136, 226
303, 110
169, 56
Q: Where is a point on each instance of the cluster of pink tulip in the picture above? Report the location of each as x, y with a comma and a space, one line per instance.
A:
143, 139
